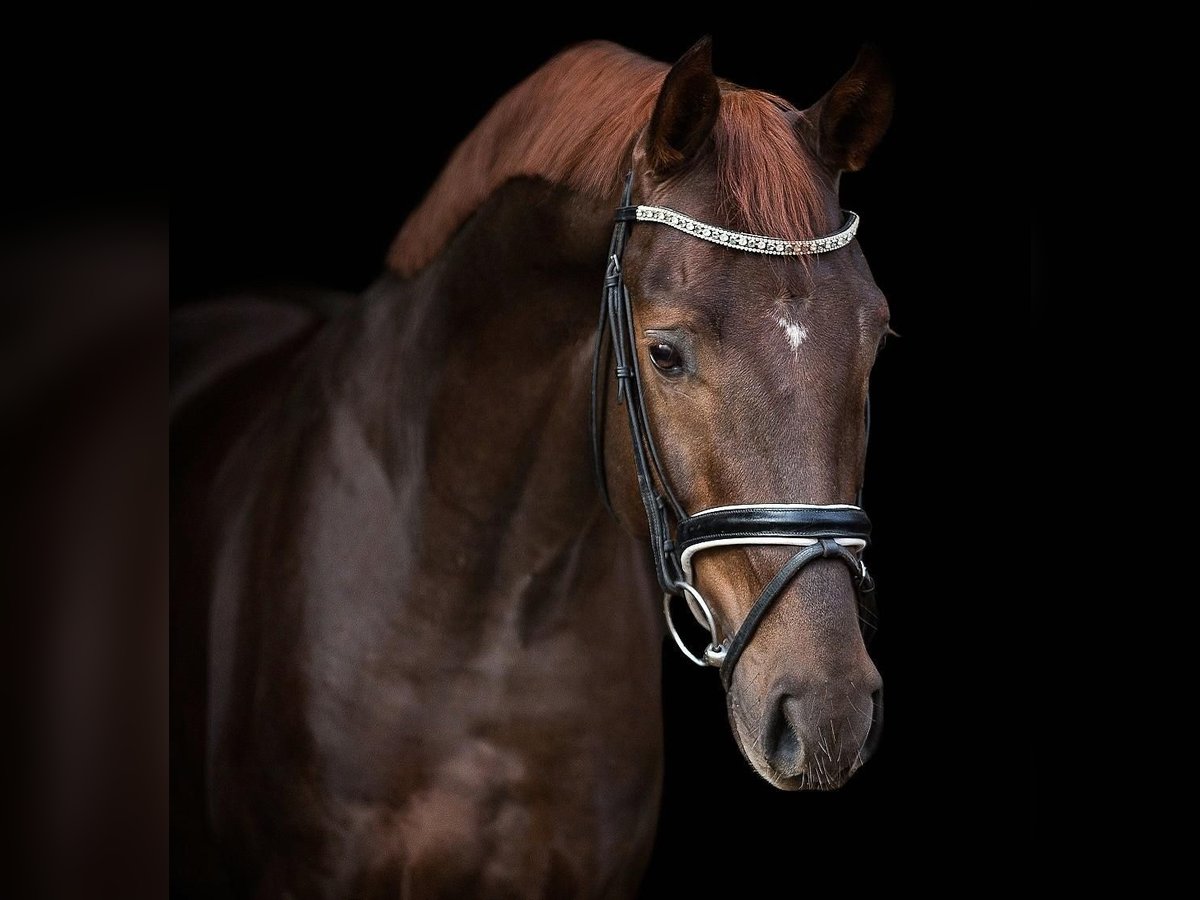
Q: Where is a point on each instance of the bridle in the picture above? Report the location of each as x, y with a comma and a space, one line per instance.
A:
836, 531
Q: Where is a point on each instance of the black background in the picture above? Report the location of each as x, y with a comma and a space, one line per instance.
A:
300, 152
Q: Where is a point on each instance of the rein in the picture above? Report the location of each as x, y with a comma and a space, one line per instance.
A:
836, 531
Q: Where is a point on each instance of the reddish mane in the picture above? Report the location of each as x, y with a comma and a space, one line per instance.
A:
572, 122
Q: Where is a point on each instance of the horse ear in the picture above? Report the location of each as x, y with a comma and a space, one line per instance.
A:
847, 123
685, 112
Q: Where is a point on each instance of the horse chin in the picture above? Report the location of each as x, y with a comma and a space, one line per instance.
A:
804, 782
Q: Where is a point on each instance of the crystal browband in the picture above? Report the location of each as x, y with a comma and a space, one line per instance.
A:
738, 240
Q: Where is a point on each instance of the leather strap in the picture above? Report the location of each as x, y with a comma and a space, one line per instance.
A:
826, 548
616, 326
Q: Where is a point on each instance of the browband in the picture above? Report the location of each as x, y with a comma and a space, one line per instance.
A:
740, 240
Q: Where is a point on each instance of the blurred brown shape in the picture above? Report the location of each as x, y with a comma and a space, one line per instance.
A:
83, 549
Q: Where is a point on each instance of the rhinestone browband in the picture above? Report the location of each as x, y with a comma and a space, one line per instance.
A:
751, 243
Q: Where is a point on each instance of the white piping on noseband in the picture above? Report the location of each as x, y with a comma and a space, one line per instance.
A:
685, 559
717, 509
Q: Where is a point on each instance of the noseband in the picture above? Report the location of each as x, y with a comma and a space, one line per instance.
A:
838, 531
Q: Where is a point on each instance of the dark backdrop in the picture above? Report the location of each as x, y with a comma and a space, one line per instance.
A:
301, 155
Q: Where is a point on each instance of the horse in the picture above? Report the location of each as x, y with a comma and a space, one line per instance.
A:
414, 636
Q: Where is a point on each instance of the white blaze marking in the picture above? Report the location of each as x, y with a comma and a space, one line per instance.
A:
795, 333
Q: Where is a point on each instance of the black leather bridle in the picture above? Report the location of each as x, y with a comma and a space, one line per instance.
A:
822, 532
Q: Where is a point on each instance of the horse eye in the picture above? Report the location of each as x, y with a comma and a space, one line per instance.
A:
665, 358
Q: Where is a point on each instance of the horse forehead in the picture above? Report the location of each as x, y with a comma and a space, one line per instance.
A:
718, 284
717, 278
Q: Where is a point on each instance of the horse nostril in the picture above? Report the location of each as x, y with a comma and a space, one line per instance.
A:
876, 730
778, 736
832, 731
782, 741
871, 680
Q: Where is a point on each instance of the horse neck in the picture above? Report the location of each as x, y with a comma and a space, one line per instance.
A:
499, 336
